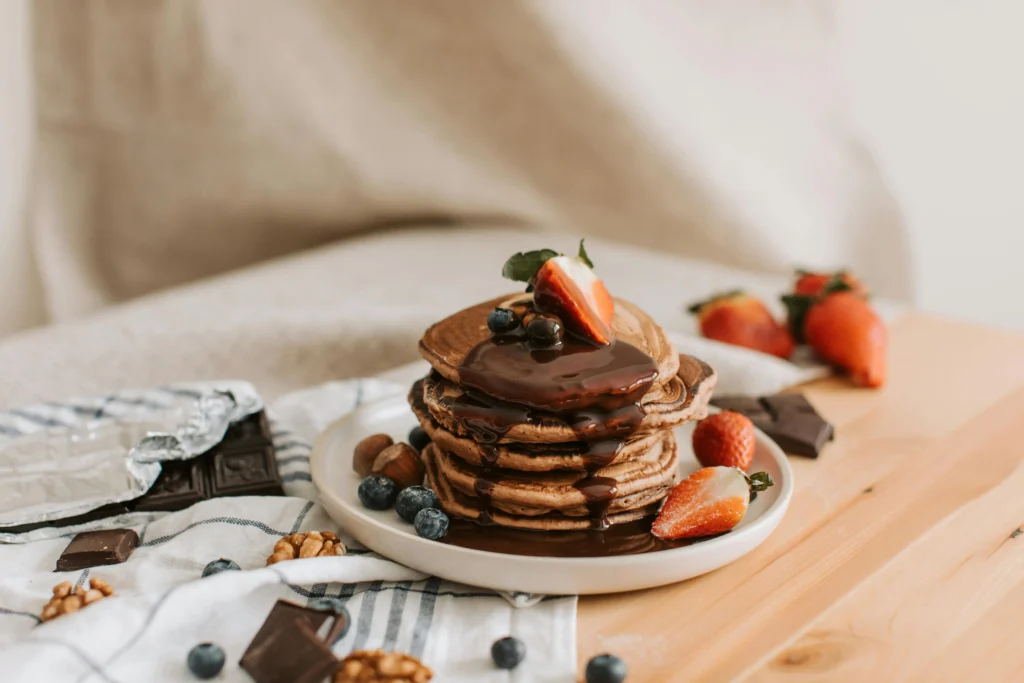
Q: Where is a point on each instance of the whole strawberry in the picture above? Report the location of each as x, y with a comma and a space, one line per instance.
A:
844, 330
710, 501
813, 284
740, 319
807, 288
724, 439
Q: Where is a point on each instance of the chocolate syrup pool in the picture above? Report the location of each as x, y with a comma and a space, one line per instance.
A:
629, 538
594, 389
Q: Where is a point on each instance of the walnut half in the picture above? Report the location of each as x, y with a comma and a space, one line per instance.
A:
377, 666
312, 544
66, 600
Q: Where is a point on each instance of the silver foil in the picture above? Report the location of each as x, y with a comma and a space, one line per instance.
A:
58, 460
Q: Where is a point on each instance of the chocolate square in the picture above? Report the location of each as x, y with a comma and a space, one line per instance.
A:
181, 483
291, 653
786, 403
287, 648
245, 473
800, 433
96, 548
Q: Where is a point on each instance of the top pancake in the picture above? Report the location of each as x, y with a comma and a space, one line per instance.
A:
446, 344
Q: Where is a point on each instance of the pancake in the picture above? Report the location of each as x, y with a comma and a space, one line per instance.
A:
446, 344
549, 491
677, 402
458, 504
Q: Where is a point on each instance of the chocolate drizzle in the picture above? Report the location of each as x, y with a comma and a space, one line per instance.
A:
596, 390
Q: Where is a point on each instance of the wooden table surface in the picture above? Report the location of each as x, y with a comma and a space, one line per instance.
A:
901, 556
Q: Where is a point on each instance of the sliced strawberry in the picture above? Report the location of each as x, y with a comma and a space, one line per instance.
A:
568, 288
710, 501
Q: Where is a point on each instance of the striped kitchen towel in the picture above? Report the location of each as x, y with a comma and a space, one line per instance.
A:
163, 608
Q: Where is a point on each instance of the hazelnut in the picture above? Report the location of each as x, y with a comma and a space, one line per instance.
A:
401, 464
367, 451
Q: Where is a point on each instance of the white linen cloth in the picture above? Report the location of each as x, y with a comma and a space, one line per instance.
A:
163, 608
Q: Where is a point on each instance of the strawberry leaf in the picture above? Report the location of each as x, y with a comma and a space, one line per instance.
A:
695, 308
797, 306
523, 267
759, 481
582, 256
838, 283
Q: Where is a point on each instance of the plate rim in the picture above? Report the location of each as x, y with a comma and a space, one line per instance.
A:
770, 517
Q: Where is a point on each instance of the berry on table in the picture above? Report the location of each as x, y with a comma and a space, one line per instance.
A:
502, 320
545, 331
508, 653
221, 565
205, 660
431, 523
413, 499
418, 438
377, 492
606, 669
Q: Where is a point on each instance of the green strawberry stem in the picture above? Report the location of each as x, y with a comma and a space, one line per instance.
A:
759, 481
696, 308
797, 306
523, 266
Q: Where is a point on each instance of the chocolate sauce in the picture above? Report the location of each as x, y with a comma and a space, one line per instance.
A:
576, 376
599, 492
630, 538
596, 390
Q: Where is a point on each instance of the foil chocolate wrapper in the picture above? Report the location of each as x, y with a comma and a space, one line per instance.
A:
58, 460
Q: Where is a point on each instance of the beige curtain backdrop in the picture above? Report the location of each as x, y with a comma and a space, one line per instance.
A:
178, 139
149, 143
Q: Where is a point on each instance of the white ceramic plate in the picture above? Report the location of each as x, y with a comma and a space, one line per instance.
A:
385, 533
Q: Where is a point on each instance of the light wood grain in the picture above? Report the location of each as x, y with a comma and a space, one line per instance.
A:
896, 560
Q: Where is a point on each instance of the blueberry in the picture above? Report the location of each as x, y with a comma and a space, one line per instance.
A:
205, 660
413, 499
507, 653
334, 605
606, 669
418, 438
377, 492
218, 566
431, 523
503, 320
544, 331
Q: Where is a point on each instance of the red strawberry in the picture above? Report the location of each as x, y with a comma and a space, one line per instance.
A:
844, 330
710, 501
568, 288
724, 439
743, 320
813, 284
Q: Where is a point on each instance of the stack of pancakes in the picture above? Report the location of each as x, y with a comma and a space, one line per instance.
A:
593, 459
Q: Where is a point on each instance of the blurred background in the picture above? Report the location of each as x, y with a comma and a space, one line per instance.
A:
145, 145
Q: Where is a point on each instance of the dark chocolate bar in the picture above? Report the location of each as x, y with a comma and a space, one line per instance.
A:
242, 464
96, 548
789, 419
287, 648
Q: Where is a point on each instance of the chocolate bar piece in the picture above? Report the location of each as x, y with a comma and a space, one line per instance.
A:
789, 419
95, 548
243, 464
287, 648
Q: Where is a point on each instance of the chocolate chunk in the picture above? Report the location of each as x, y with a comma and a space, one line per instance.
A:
96, 548
800, 433
287, 648
242, 464
789, 419
181, 483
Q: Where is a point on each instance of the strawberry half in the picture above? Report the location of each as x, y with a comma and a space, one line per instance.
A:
708, 502
568, 288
